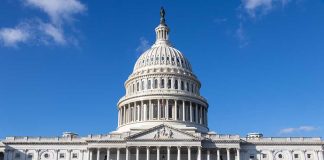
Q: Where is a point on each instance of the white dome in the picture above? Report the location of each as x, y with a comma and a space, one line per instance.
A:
162, 55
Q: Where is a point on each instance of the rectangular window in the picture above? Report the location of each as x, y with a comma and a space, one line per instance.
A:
176, 84
155, 110
17, 155
169, 83
142, 85
30, 156
170, 111
296, 156
74, 155
62, 155
309, 155
264, 155
162, 108
251, 156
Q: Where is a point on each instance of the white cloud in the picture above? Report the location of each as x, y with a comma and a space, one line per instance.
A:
241, 36
53, 32
144, 45
46, 31
255, 7
298, 129
10, 37
58, 10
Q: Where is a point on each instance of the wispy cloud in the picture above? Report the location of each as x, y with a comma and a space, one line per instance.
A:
11, 36
143, 46
241, 36
261, 7
45, 31
298, 129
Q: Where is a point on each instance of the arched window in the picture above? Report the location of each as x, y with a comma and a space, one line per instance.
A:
176, 84
149, 84
162, 83
169, 83
182, 85
142, 86
155, 83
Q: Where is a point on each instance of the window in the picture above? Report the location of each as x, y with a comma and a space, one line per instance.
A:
296, 155
17, 155
169, 83
192, 87
251, 156
162, 107
149, 84
182, 85
162, 58
155, 110
162, 83
280, 156
137, 86
142, 85
155, 83
264, 155
170, 111
46, 155
187, 86
309, 155
30, 156
74, 155
176, 84
62, 155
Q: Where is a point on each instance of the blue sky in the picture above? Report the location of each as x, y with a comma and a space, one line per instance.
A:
63, 63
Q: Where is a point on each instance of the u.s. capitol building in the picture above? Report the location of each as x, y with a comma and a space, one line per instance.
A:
162, 117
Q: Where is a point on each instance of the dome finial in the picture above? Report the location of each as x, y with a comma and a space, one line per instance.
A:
162, 15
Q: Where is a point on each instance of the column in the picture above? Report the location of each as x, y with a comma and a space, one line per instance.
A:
142, 111
196, 118
157, 153
218, 154
90, 154
189, 153
70, 155
291, 154
98, 154
190, 115
238, 156
179, 153
303, 154
56, 153
271, 155
208, 154
200, 116
167, 109
168, 152
137, 153
183, 111
118, 154
124, 118
175, 109
151, 110
159, 109
108, 153
321, 156
145, 112
199, 153
147, 153
82, 154
228, 153
127, 153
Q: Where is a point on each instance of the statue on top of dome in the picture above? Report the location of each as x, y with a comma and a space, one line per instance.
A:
162, 14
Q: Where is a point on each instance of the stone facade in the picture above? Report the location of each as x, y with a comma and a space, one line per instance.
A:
162, 117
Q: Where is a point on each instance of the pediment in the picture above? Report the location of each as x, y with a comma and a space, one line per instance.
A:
162, 132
